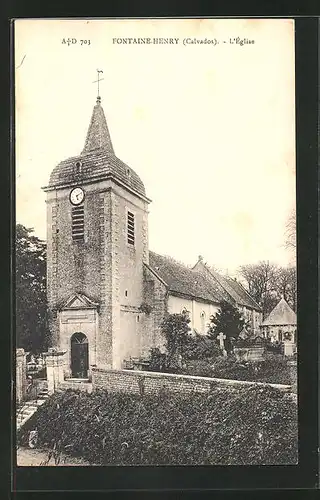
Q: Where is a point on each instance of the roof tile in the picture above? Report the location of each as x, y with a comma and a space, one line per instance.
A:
183, 280
96, 160
282, 314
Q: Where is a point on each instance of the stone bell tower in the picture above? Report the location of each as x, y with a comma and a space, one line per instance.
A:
97, 241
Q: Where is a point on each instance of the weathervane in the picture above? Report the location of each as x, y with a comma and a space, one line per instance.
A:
98, 81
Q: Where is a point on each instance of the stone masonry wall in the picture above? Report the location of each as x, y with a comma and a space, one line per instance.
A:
137, 382
127, 274
75, 266
154, 294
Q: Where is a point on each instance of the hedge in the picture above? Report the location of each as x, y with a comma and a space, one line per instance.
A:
243, 426
274, 369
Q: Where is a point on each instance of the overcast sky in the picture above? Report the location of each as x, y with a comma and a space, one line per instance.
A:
209, 129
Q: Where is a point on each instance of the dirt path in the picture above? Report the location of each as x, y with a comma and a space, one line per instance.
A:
27, 457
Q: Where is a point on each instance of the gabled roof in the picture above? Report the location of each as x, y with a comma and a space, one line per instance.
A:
96, 161
245, 298
231, 289
183, 281
78, 301
282, 314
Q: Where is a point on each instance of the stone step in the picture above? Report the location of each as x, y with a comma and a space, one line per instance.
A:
26, 414
25, 411
40, 401
43, 394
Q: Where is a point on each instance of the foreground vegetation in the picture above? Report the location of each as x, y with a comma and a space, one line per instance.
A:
255, 425
274, 369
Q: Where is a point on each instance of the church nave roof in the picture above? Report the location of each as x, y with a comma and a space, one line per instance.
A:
182, 280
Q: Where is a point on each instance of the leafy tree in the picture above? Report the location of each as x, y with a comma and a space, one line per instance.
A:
31, 300
200, 347
175, 327
227, 320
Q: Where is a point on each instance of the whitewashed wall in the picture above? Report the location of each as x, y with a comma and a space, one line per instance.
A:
200, 312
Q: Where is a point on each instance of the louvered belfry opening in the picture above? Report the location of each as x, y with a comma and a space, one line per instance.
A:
130, 228
78, 223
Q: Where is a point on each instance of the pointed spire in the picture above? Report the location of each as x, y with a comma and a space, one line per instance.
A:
98, 136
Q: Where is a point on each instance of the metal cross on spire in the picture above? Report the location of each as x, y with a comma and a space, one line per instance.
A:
98, 81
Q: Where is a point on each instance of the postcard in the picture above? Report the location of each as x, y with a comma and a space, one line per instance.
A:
155, 242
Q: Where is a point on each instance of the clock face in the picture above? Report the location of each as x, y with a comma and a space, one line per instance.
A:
77, 196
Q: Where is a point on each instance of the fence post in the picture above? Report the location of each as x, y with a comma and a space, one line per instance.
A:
21, 375
54, 365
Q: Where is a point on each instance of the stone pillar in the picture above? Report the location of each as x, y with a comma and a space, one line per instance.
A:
21, 375
289, 348
54, 364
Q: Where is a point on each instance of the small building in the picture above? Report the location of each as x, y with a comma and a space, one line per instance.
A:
281, 324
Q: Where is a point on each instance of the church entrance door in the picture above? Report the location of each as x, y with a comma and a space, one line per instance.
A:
79, 355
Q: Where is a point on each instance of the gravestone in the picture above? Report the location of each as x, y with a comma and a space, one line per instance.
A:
221, 337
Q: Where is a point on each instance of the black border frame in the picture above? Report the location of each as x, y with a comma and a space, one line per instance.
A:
304, 475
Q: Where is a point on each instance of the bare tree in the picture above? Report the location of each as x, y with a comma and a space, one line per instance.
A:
286, 285
267, 283
290, 231
261, 282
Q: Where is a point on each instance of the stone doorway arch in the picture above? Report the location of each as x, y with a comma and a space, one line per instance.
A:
79, 355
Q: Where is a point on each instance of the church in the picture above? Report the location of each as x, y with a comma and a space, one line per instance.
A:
107, 293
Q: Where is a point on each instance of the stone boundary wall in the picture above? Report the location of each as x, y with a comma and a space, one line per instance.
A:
136, 382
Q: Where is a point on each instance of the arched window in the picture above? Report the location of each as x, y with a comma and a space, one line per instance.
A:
78, 167
203, 322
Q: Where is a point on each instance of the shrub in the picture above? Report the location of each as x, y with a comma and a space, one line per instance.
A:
201, 347
247, 426
229, 367
176, 330
274, 347
273, 369
158, 360
199, 367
